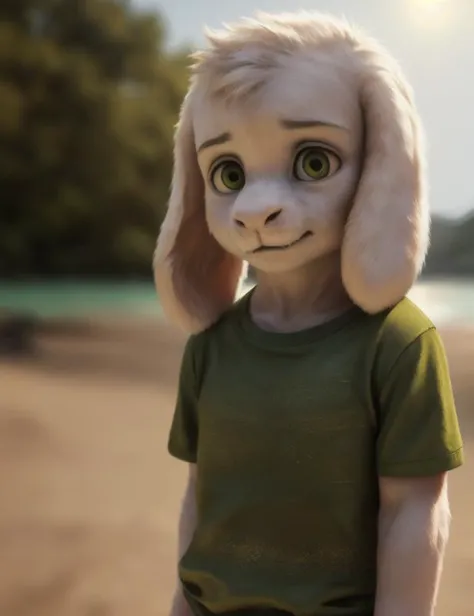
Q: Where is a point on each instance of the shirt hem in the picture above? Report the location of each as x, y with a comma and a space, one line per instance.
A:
431, 466
183, 456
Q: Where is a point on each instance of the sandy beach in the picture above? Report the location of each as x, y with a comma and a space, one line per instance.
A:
89, 495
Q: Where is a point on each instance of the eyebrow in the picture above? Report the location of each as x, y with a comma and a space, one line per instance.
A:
289, 124
292, 124
223, 138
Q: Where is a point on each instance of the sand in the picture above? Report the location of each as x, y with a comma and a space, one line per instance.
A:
89, 496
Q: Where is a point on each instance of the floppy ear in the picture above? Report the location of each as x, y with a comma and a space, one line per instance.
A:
196, 279
387, 232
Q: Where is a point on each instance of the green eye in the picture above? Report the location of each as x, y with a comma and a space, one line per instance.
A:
228, 177
315, 163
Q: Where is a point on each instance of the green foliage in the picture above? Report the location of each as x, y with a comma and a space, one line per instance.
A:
88, 101
89, 97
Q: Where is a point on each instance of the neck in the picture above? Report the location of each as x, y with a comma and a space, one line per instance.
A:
302, 298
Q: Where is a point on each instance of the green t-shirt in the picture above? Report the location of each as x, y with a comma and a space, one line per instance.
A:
290, 433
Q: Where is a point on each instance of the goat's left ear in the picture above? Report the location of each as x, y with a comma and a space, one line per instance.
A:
196, 279
387, 232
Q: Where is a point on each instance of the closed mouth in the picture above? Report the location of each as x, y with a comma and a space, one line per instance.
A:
265, 247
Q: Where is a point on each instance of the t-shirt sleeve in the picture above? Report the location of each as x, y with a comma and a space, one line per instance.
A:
183, 436
419, 433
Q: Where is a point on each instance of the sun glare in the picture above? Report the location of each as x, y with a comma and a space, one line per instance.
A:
430, 5
431, 13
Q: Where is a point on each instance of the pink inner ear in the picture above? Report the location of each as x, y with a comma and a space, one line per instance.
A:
197, 279
205, 277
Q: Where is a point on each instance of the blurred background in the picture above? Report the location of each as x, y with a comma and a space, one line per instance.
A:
89, 94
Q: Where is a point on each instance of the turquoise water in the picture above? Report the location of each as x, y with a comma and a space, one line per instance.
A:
77, 299
445, 301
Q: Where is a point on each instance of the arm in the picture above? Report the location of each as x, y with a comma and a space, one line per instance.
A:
187, 526
183, 445
413, 531
418, 442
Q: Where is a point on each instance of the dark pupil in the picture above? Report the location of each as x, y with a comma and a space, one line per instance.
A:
316, 164
233, 176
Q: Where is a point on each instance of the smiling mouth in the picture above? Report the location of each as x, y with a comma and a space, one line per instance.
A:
265, 248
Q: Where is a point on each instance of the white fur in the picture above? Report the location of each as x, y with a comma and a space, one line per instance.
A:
374, 211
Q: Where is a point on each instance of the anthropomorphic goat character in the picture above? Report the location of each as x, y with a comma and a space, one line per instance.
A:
315, 411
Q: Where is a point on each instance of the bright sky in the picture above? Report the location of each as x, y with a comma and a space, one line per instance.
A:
432, 39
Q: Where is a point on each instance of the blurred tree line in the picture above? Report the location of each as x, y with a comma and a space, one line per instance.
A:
452, 247
88, 102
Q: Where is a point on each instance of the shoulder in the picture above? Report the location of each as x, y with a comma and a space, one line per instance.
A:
418, 430
403, 334
401, 325
227, 323
199, 345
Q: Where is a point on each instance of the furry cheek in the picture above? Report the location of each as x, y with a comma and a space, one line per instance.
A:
327, 204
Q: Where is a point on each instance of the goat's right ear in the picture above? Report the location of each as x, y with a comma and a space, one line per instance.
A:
388, 229
196, 279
